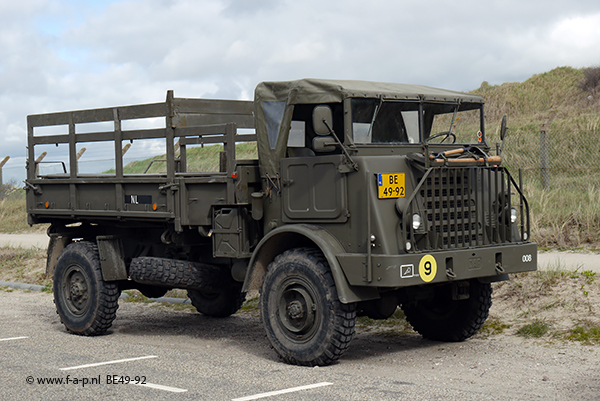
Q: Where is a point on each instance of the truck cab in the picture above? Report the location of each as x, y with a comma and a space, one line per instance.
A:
396, 186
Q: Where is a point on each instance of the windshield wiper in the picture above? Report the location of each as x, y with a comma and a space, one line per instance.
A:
454, 116
375, 113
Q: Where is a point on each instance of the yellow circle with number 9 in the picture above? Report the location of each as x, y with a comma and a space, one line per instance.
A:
427, 268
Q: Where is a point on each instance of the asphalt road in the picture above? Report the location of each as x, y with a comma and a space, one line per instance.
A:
181, 355
30, 240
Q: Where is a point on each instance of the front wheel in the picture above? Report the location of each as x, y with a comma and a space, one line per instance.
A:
305, 321
443, 318
86, 304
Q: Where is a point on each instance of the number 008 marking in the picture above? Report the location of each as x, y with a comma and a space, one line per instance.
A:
527, 258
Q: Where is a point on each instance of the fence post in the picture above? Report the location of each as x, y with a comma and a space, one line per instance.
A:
37, 163
2, 165
545, 150
80, 153
544, 163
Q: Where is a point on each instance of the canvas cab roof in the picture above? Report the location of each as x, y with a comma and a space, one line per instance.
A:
314, 91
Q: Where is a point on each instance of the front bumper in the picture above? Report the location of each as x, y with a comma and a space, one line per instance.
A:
393, 271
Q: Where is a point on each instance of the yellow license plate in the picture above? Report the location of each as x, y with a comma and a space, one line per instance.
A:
390, 185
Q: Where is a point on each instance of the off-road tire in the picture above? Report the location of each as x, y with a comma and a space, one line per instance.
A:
177, 273
445, 319
86, 304
304, 320
221, 303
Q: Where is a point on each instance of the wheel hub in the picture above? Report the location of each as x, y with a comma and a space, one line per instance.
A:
295, 310
78, 290
75, 290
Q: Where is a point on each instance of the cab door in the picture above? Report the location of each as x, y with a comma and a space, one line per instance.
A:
313, 189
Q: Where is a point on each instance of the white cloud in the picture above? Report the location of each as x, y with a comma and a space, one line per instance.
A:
578, 34
301, 52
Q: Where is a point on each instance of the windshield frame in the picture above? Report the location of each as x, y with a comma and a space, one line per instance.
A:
424, 119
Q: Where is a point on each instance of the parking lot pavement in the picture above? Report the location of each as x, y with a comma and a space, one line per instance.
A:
154, 352
580, 261
29, 240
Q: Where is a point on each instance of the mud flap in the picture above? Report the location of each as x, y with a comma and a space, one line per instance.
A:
55, 247
112, 259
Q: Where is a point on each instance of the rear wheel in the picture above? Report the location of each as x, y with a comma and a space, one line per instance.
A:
443, 318
86, 304
303, 317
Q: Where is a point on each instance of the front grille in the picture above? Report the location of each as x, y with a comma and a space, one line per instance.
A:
464, 207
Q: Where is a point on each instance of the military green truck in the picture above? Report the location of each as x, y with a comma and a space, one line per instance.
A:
365, 197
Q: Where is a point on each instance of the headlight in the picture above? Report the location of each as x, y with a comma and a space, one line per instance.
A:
416, 221
513, 215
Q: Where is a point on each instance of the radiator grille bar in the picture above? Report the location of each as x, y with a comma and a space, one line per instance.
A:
465, 207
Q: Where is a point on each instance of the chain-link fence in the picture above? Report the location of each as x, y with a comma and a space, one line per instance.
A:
561, 176
555, 160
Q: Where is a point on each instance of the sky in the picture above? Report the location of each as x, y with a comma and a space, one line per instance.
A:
58, 55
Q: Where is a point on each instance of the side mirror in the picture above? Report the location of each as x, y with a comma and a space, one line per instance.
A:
503, 128
500, 147
324, 144
322, 120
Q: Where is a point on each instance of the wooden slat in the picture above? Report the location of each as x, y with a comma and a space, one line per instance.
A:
213, 106
245, 138
144, 133
201, 130
189, 120
98, 115
45, 120
93, 115
143, 111
205, 140
50, 139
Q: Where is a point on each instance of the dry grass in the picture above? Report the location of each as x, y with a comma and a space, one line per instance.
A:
13, 216
564, 218
23, 266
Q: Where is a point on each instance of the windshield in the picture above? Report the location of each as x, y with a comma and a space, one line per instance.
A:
378, 121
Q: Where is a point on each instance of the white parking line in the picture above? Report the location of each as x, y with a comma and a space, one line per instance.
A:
279, 392
161, 387
109, 362
13, 338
